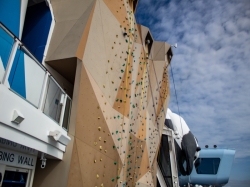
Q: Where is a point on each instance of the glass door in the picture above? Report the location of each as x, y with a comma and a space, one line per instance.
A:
2, 170
15, 177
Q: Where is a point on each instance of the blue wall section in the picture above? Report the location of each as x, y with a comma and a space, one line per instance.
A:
17, 74
36, 29
10, 15
6, 43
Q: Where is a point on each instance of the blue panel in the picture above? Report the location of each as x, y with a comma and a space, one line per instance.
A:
39, 52
36, 29
17, 75
10, 15
14, 66
6, 43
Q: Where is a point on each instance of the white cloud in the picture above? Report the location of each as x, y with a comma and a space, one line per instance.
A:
211, 65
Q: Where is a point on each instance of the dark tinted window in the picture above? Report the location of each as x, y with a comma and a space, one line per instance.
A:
164, 161
14, 179
169, 55
208, 166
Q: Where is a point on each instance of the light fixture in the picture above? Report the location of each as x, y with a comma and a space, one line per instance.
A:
58, 136
17, 117
175, 45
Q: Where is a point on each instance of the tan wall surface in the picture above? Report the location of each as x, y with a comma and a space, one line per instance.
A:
56, 172
120, 96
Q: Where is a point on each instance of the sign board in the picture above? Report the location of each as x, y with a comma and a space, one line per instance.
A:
16, 159
17, 147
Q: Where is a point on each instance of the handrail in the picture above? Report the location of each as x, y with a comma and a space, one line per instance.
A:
41, 99
29, 53
22, 44
7, 30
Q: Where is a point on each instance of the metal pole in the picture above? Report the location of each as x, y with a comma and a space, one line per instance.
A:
10, 63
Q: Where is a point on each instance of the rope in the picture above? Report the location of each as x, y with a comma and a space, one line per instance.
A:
176, 97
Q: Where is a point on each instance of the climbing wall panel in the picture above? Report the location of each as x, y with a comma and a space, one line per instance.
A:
135, 155
91, 127
117, 124
97, 64
144, 31
154, 171
137, 34
153, 140
141, 134
122, 95
75, 178
96, 169
146, 180
83, 41
72, 17
159, 69
119, 11
144, 165
164, 94
160, 51
152, 96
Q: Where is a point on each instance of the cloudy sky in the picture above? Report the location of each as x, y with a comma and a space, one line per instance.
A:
211, 68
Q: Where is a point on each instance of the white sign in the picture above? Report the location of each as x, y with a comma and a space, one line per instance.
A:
13, 158
17, 147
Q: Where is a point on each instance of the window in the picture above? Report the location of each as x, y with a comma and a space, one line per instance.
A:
148, 43
207, 166
66, 116
36, 28
169, 55
164, 161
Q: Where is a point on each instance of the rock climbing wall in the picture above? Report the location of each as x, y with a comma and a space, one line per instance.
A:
122, 97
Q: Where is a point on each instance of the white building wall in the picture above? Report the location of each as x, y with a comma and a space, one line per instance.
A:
33, 130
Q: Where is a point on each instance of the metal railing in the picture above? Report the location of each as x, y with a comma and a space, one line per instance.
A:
23, 74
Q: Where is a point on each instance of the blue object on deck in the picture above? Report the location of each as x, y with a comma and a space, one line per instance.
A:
212, 168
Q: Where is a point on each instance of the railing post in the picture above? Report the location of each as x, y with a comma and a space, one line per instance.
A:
43, 95
10, 63
63, 110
